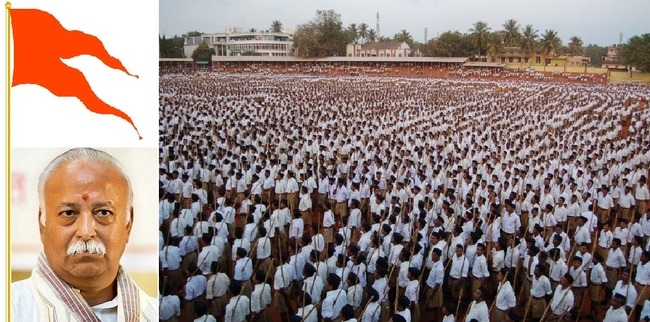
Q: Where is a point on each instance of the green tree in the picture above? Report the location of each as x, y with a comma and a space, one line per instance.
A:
511, 34
404, 36
320, 37
550, 43
372, 35
202, 53
353, 33
529, 40
479, 33
276, 26
575, 46
363, 32
449, 44
171, 47
252, 30
192, 34
595, 54
494, 44
636, 52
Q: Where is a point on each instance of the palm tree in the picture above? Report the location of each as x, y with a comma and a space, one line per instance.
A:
550, 42
276, 26
372, 35
404, 36
494, 44
529, 40
479, 33
511, 33
353, 32
363, 31
575, 46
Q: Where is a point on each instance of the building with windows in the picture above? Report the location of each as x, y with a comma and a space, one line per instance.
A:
378, 49
612, 59
236, 43
515, 56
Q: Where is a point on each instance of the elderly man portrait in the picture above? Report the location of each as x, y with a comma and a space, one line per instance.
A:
85, 219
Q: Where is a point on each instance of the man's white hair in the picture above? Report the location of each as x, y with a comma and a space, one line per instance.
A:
88, 156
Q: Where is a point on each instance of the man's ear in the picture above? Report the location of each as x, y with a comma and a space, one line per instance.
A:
41, 227
129, 225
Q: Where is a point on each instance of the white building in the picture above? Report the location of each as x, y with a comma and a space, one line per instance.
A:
233, 43
379, 49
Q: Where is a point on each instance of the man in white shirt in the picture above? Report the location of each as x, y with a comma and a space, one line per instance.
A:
284, 273
243, 271
305, 205
458, 272
201, 312
170, 261
605, 204
260, 298
239, 306
216, 288
510, 222
626, 289
195, 287
616, 311
480, 271
582, 234
597, 280
614, 262
434, 283
313, 284
641, 196
209, 253
478, 308
170, 305
335, 298
505, 299
372, 310
563, 298
541, 287
263, 251
308, 312
626, 204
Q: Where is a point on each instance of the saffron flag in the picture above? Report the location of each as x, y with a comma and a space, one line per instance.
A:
39, 62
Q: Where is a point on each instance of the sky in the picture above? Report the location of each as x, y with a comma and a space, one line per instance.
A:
594, 21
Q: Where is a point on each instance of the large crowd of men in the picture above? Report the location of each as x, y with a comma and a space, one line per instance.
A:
302, 198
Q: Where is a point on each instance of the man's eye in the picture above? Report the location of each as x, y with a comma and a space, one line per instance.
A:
67, 213
104, 213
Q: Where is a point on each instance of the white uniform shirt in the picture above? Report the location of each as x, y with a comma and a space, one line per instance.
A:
616, 315
238, 313
562, 300
260, 297
170, 257
333, 303
478, 311
170, 305
628, 291
217, 286
308, 313
505, 297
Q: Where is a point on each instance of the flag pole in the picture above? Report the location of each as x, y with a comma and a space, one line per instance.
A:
7, 147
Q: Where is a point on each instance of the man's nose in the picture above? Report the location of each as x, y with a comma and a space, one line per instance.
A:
86, 226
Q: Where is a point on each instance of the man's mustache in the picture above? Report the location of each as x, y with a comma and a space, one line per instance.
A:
91, 246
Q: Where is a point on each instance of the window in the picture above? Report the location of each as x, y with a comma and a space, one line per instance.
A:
538, 60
